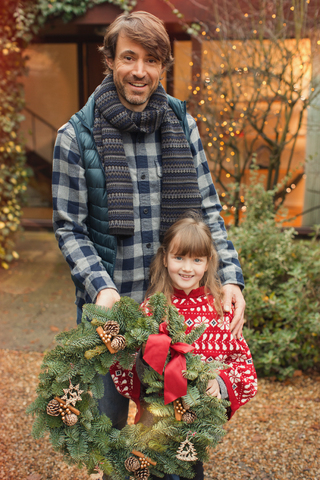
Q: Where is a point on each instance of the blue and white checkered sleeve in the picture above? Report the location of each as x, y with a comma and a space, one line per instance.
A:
70, 212
229, 267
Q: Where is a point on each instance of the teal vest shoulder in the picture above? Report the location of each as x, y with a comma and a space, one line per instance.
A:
97, 221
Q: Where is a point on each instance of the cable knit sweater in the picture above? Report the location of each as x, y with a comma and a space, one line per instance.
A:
216, 343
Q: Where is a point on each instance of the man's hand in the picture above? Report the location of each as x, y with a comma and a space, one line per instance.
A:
107, 297
233, 294
213, 388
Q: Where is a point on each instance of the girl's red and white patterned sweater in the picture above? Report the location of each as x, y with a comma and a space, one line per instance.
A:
216, 343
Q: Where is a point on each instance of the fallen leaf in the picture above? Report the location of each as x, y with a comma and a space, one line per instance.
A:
315, 426
262, 419
257, 438
54, 329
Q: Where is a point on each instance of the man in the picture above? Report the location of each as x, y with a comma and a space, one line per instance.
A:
123, 171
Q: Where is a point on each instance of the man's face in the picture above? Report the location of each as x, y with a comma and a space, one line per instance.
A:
136, 73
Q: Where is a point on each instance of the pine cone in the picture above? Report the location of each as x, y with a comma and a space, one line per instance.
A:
132, 464
119, 342
184, 404
111, 327
53, 408
189, 416
142, 473
70, 419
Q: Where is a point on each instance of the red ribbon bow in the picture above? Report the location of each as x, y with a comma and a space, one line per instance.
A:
157, 348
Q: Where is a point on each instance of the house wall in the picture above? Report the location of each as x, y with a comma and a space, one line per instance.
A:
51, 91
183, 90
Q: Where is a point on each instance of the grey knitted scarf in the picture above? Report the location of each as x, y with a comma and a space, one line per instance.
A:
179, 191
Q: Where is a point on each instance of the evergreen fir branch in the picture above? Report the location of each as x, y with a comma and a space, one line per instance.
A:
77, 449
159, 307
106, 360
86, 424
193, 396
73, 433
97, 323
190, 374
57, 438
114, 436
84, 342
156, 472
125, 359
100, 369
104, 424
86, 415
155, 387
54, 366
97, 387
161, 410
97, 314
38, 405
88, 373
157, 446
53, 422
170, 429
151, 377
195, 333
39, 426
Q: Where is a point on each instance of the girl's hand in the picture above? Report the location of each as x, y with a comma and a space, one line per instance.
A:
213, 388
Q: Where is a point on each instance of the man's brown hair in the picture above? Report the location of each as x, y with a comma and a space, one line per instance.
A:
143, 28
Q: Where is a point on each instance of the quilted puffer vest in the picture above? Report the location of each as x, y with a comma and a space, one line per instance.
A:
97, 221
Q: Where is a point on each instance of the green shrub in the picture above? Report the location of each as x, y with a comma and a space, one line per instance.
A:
282, 276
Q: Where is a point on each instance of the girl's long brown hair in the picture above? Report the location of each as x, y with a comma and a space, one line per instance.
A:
188, 236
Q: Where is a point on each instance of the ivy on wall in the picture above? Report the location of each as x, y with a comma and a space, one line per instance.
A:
19, 21
16, 25
69, 9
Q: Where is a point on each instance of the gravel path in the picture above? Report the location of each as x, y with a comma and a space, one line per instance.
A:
274, 437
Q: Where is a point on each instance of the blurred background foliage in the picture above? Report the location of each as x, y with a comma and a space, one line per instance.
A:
282, 277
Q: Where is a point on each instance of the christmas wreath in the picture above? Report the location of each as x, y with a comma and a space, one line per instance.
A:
70, 385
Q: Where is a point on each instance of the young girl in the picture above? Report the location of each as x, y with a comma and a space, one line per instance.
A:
185, 270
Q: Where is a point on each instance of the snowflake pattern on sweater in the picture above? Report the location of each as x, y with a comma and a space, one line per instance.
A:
216, 343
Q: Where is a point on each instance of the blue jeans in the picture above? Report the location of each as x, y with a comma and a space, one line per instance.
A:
198, 471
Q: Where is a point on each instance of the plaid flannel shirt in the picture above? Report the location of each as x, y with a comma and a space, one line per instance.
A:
134, 254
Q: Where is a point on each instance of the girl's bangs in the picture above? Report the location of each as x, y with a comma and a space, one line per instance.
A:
192, 242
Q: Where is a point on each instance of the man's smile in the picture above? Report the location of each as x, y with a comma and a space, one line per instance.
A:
137, 85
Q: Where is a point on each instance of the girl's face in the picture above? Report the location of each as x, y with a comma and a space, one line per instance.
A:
185, 271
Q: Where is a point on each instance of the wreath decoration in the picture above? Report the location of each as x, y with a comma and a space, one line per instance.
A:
70, 385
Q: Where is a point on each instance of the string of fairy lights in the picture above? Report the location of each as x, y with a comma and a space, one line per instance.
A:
243, 96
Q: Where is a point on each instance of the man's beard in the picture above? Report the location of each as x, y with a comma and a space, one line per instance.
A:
134, 99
